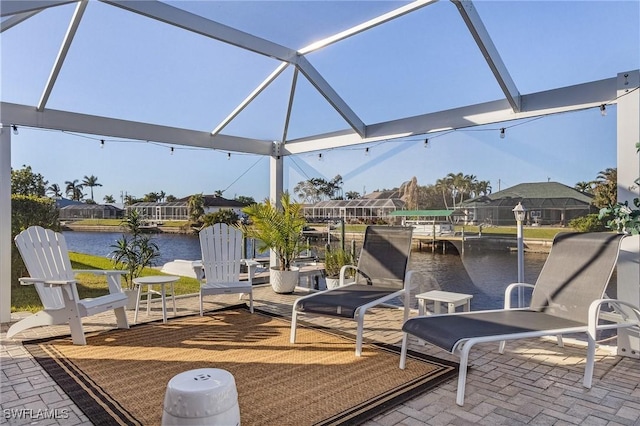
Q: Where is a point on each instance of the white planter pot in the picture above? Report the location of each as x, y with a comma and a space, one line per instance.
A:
284, 281
332, 282
132, 296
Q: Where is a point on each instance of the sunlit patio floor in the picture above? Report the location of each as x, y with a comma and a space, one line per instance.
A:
533, 382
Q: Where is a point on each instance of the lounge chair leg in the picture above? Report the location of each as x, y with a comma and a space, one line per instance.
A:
588, 368
560, 341
359, 333
403, 351
251, 302
294, 321
201, 310
462, 374
503, 343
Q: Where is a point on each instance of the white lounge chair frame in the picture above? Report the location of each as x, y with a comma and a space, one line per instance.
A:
46, 257
625, 315
221, 247
360, 311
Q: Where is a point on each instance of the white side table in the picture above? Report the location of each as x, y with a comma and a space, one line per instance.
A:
160, 280
452, 300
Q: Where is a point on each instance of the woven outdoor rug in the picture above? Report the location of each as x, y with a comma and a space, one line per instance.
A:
120, 376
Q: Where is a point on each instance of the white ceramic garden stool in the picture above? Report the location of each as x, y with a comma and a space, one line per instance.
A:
205, 396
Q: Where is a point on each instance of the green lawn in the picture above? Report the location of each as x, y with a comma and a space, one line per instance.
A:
25, 298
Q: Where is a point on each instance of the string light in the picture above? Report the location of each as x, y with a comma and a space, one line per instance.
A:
101, 143
502, 133
366, 151
603, 110
228, 156
320, 157
426, 143
15, 129
171, 150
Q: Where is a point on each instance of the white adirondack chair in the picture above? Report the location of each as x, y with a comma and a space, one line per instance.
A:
46, 257
221, 247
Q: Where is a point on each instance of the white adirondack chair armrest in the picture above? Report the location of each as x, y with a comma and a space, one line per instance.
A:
594, 316
100, 271
510, 288
113, 277
252, 265
31, 281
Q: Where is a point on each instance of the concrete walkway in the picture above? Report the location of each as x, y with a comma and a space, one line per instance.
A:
534, 382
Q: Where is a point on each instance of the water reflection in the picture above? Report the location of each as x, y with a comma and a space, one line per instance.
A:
483, 273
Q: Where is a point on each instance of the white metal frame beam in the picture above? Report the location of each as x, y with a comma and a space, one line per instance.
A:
62, 53
331, 96
15, 7
16, 19
90, 124
571, 98
396, 13
191, 22
483, 40
250, 98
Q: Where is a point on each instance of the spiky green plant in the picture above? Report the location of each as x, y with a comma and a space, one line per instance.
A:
276, 228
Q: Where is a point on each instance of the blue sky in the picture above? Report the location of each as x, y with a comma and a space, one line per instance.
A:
125, 66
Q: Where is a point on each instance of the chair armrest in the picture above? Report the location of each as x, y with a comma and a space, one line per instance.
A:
343, 272
509, 290
30, 281
113, 277
594, 315
100, 271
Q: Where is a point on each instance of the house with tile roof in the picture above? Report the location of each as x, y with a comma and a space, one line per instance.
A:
179, 209
546, 203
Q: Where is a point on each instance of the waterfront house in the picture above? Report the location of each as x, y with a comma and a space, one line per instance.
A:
547, 203
79, 211
179, 210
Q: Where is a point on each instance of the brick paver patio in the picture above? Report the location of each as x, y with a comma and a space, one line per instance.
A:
534, 382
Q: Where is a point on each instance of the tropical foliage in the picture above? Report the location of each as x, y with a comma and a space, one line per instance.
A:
73, 190
620, 216
335, 259
91, 182
134, 250
25, 182
276, 228
317, 189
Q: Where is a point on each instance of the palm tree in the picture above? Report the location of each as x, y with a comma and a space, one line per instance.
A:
196, 207
91, 181
585, 187
483, 187
352, 195
73, 190
109, 199
606, 188
442, 186
54, 190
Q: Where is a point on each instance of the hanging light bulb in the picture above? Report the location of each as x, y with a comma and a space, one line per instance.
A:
171, 150
320, 157
426, 143
101, 143
228, 156
15, 129
603, 110
502, 133
366, 151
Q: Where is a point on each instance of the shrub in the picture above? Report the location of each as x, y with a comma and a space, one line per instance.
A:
588, 223
26, 211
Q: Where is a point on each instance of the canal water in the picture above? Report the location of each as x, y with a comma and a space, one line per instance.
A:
483, 273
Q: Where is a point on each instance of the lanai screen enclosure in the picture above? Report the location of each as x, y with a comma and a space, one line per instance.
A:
295, 56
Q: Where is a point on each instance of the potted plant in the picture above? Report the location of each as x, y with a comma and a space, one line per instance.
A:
278, 229
133, 253
334, 260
